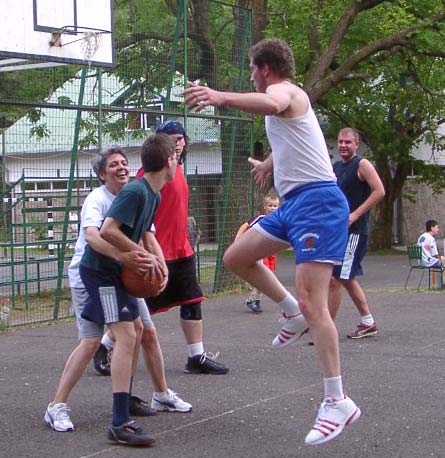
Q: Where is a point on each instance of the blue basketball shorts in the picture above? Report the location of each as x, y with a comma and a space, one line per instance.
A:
108, 300
355, 252
314, 219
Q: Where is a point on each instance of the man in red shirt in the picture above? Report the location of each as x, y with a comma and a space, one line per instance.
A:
182, 289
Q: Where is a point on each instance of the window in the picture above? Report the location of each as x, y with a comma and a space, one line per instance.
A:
145, 121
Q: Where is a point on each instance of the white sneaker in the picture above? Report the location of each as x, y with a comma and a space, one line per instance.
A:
57, 417
291, 330
332, 417
170, 403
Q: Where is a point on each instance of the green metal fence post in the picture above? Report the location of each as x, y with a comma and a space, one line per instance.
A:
74, 152
25, 245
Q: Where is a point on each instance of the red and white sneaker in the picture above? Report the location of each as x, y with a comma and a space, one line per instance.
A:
332, 417
363, 330
291, 330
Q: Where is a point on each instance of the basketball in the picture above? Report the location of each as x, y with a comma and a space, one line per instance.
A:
137, 285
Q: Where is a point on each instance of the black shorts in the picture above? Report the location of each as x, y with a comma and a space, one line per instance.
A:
182, 287
354, 255
108, 300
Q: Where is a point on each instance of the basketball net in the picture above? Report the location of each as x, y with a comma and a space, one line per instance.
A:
90, 44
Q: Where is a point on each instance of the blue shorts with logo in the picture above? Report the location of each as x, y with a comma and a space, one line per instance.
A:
314, 219
108, 300
355, 252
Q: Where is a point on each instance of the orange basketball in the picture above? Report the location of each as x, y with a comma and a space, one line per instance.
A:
137, 285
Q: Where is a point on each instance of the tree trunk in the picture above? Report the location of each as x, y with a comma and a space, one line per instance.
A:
381, 235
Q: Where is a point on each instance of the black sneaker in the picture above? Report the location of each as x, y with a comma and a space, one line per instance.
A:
202, 364
255, 306
102, 361
140, 408
130, 433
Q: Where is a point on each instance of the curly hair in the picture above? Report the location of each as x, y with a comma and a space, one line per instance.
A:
276, 54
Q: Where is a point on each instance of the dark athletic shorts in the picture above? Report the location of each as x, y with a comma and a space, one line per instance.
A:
355, 252
108, 300
182, 287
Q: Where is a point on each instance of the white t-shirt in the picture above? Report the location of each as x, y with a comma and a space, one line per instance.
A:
429, 249
93, 213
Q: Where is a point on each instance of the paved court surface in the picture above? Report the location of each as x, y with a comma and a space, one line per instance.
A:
265, 406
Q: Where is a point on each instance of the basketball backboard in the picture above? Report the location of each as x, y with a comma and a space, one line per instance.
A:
55, 31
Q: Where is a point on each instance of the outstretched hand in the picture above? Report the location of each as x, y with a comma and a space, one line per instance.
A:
259, 172
200, 97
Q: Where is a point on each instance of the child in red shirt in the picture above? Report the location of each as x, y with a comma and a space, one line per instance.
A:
271, 202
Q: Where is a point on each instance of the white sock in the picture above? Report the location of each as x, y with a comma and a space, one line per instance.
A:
289, 305
107, 341
161, 394
195, 349
368, 320
333, 388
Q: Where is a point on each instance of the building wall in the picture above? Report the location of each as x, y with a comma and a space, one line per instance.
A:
412, 215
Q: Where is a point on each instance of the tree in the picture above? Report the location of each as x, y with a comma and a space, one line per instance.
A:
210, 46
377, 66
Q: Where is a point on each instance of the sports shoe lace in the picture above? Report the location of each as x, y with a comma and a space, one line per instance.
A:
172, 395
324, 408
209, 355
61, 413
283, 318
133, 426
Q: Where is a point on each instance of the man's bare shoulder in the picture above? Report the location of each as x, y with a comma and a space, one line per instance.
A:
292, 97
299, 102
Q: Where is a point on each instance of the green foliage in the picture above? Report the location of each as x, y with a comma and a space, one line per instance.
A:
30, 86
40, 131
384, 76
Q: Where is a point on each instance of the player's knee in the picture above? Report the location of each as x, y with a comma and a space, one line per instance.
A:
334, 283
191, 312
90, 345
149, 337
138, 328
313, 314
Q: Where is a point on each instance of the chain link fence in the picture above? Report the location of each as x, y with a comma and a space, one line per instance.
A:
56, 119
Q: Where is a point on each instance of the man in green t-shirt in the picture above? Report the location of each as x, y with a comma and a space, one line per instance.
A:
127, 227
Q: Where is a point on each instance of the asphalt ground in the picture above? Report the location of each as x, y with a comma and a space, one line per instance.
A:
267, 403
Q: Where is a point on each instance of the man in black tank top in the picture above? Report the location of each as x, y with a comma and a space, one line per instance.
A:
363, 189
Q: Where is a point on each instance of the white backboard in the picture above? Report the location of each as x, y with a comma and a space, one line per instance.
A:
27, 25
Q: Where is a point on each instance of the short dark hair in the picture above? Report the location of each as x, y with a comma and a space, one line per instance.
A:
276, 54
430, 224
100, 160
155, 152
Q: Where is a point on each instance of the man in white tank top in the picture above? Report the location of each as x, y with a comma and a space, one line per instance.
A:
313, 218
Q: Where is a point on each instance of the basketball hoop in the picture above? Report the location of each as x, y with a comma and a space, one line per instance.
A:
90, 44
89, 39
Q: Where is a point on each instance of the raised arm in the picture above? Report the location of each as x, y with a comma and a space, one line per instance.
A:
274, 101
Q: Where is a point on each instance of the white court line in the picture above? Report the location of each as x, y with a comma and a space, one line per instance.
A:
214, 417
246, 406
